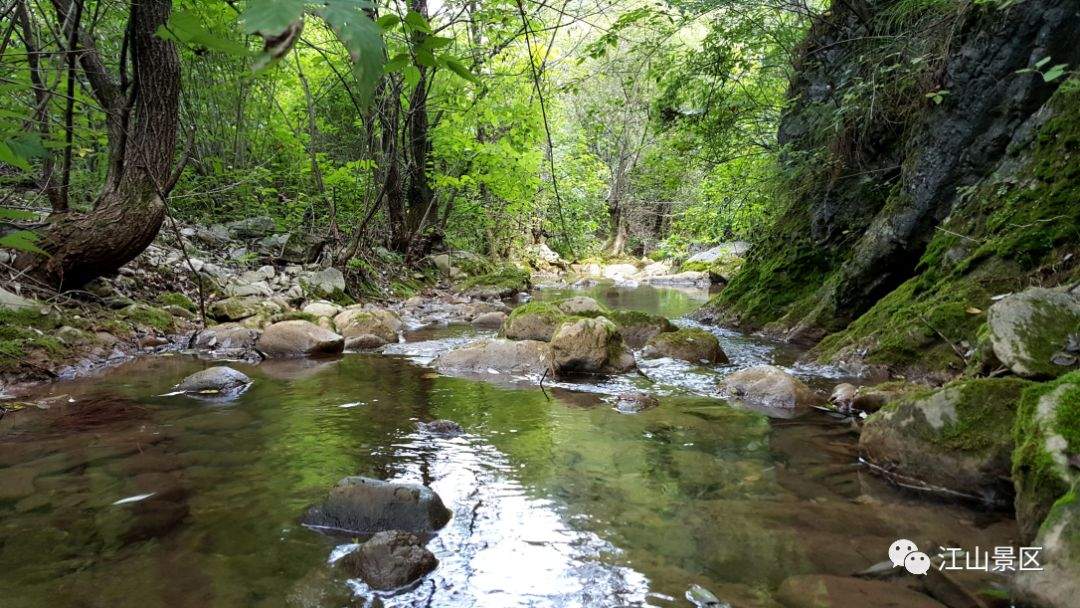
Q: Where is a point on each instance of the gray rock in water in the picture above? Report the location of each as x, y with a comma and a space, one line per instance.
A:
691, 344
231, 337
364, 342
502, 356
218, 379
390, 560
494, 319
771, 387
363, 506
590, 346
297, 338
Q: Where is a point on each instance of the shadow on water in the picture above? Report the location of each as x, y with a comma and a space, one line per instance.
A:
118, 496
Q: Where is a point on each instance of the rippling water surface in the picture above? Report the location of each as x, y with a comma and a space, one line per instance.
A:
114, 495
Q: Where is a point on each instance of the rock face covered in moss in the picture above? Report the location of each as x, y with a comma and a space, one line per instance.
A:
1033, 332
1057, 585
907, 220
533, 321
957, 437
1047, 435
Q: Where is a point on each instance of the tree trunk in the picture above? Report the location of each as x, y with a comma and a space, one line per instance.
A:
142, 141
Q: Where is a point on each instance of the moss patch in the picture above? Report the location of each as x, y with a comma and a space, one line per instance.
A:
24, 331
172, 298
506, 279
150, 316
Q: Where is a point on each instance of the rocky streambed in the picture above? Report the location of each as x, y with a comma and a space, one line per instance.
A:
589, 447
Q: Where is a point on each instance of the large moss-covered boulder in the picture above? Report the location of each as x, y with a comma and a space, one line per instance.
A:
1047, 436
690, 344
353, 322
534, 321
1057, 584
637, 327
501, 283
1036, 333
298, 338
591, 346
234, 309
956, 437
501, 356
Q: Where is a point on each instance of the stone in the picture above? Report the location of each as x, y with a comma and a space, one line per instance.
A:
252, 228
579, 305
11, 301
637, 327
217, 379
530, 357
215, 235
491, 320
297, 338
958, 437
323, 282
241, 290
442, 262
590, 346
389, 560
843, 395
829, 591
353, 322
363, 506
632, 403
448, 428
322, 308
533, 321
873, 398
1057, 584
689, 278
723, 250
364, 342
770, 387
1029, 331
227, 336
691, 344
619, 271
1047, 432
233, 309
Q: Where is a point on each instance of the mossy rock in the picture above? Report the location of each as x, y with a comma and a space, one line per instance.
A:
589, 346
1030, 331
353, 322
637, 327
501, 283
957, 437
172, 298
690, 344
23, 331
1047, 435
149, 316
1056, 583
233, 309
534, 321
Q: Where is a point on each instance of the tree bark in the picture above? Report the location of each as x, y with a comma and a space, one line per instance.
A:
142, 129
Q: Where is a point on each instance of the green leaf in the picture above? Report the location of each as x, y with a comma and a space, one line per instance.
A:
417, 22
434, 43
388, 22
23, 240
1055, 72
271, 17
16, 214
411, 73
7, 155
396, 63
186, 27
454, 65
363, 39
425, 58
1042, 62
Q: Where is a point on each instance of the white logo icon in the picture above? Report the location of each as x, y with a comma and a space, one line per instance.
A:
905, 553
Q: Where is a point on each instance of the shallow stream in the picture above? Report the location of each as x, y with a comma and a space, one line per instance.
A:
115, 495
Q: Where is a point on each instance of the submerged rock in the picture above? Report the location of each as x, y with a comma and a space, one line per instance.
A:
390, 560
692, 345
363, 506
1047, 433
590, 346
502, 356
441, 427
828, 591
297, 338
217, 379
958, 437
769, 386
1034, 332
632, 403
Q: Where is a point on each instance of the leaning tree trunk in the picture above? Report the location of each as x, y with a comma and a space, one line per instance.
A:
142, 129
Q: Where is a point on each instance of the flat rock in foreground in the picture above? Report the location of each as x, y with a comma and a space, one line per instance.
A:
530, 357
390, 560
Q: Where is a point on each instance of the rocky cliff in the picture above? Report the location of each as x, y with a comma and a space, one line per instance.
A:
933, 162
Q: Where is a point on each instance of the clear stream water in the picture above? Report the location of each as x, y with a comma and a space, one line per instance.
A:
558, 499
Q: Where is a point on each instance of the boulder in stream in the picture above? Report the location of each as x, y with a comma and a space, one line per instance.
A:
591, 346
227, 337
957, 438
219, 379
298, 338
447, 428
533, 321
770, 387
828, 591
692, 345
491, 320
389, 560
500, 356
632, 403
363, 506
356, 321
